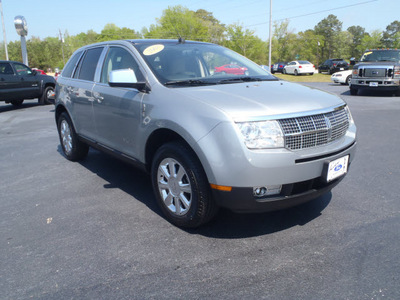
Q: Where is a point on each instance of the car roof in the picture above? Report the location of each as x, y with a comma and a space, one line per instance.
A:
10, 61
170, 41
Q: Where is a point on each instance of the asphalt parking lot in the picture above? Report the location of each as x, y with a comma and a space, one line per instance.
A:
91, 230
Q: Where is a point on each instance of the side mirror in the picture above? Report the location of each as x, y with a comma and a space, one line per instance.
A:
126, 78
353, 61
34, 72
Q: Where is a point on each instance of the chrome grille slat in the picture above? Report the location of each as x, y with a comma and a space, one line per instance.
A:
315, 130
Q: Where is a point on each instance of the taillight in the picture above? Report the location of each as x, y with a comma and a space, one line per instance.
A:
280, 66
396, 72
313, 66
300, 67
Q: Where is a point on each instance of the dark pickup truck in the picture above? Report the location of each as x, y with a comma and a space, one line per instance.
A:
18, 82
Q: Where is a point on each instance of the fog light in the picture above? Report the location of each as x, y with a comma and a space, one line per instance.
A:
267, 190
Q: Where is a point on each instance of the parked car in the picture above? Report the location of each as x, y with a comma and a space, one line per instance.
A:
39, 71
333, 65
299, 67
231, 69
342, 77
278, 67
18, 82
207, 140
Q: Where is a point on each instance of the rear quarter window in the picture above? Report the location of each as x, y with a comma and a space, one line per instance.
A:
89, 63
70, 66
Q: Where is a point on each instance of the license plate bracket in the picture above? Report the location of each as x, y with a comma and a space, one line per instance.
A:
336, 168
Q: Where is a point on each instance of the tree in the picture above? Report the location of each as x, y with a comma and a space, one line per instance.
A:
371, 41
285, 41
178, 22
308, 45
216, 30
390, 36
358, 34
329, 28
245, 43
113, 32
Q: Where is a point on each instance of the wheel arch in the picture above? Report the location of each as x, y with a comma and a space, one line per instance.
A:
158, 138
58, 111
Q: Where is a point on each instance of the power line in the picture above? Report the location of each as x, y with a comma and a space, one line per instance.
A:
314, 13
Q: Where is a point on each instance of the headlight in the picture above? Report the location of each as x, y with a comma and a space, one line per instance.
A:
349, 116
261, 135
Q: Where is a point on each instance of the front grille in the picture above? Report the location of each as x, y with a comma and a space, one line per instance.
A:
315, 130
375, 72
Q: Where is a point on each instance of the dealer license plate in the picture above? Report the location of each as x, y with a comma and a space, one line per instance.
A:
341, 69
337, 168
373, 84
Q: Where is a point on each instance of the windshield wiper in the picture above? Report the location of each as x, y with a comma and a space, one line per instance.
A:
244, 79
189, 82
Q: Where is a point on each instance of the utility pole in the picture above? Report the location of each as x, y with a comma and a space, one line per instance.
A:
4, 30
270, 34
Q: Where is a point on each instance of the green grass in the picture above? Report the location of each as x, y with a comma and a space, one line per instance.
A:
305, 78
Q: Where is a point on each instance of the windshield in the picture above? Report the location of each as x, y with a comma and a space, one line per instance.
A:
381, 55
182, 64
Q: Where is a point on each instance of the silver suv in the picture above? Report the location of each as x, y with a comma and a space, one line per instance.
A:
210, 135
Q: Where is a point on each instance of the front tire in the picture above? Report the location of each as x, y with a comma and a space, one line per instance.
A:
72, 147
353, 92
181, 186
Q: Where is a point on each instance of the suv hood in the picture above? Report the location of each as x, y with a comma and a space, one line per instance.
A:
377, 63
252, 100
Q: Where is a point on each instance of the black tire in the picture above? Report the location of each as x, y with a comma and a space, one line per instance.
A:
353, 92
44, 99
17, 103
181, 187
72, 147
348, 80
296, 73
284, 71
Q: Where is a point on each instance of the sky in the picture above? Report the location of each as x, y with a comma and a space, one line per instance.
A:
45, 18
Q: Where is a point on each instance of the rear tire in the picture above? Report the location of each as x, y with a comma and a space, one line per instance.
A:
72, 147
17, 103
44, 99
296, 73
181, 187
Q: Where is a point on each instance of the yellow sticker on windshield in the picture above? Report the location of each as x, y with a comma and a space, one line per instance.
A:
368, 53
154, 49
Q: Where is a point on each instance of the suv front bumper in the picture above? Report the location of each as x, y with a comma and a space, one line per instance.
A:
242, 200
387, 84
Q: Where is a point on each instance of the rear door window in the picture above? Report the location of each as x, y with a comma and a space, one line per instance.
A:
69, 68
88, 65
